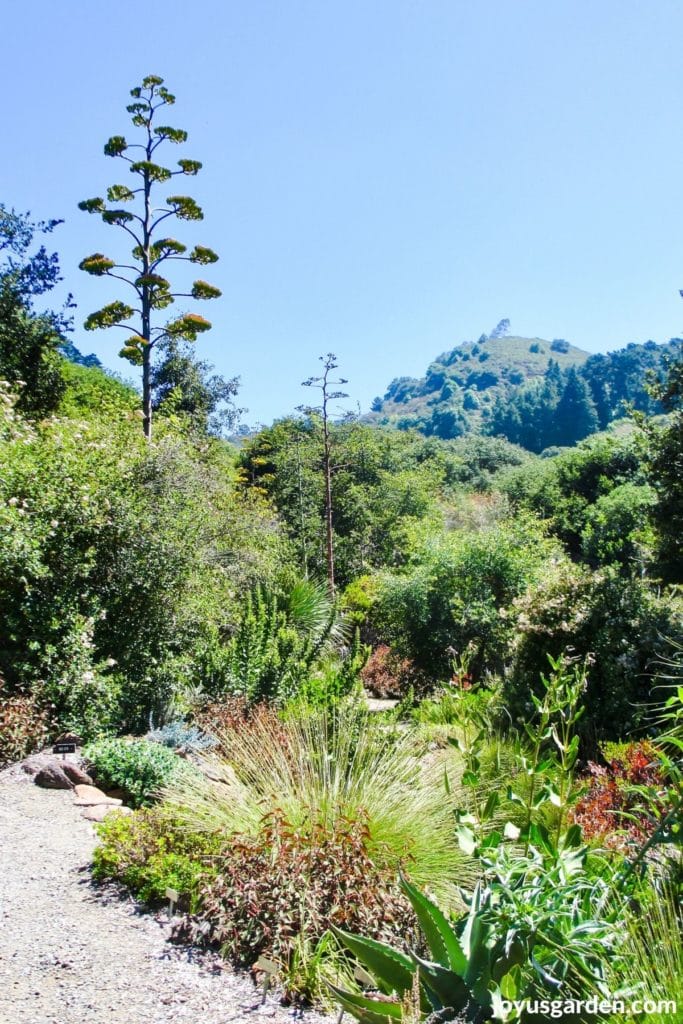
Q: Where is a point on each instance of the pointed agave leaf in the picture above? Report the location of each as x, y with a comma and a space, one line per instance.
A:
441, 938
442, 985
368, 1011
478, 973
392, 970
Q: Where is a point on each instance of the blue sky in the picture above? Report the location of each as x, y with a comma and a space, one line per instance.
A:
382, 178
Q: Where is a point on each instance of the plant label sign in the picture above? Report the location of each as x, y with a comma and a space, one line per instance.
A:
64, 748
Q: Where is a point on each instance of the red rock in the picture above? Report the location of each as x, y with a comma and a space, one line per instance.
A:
90, 796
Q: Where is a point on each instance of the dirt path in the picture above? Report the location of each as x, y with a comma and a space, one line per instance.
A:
70, 954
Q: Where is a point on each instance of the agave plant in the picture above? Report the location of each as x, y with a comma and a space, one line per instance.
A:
490, 961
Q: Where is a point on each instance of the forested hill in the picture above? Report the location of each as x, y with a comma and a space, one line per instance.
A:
534, 392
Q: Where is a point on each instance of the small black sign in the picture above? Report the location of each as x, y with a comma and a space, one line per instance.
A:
64, 748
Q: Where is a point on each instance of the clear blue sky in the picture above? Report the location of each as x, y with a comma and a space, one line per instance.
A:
382, 178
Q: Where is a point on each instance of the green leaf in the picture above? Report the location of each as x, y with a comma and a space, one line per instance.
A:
393, 971
441, 938
443, 986
491, 804
466, 839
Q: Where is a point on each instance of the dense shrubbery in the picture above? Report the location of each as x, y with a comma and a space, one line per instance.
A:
451, 595
618, 624
140, 768
24, 726
149, 853
121, 566
303, 881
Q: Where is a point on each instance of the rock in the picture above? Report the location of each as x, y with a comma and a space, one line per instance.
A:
90, 796
76, 774
99, 812
32, 765
52, 776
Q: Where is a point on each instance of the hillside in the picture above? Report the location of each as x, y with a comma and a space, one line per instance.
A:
461, 387
534, 392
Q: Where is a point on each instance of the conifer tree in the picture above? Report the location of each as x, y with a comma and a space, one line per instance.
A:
575, 416
151, 290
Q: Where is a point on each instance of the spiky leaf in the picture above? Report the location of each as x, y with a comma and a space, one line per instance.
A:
368, 1011
392, 970
442, 986
441, 938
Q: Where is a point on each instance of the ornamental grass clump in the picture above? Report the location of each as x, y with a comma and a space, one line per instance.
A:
327, 768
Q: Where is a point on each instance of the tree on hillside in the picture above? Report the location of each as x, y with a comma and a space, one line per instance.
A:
151, 291
182, 383
575, 415
324, 384
500, 330
29, 339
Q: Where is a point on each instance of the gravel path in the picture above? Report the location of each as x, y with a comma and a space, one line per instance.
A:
71, 953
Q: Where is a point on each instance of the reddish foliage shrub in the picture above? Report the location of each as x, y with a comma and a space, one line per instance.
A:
24, 727
233, 714
611, 812
286, 881
385, 674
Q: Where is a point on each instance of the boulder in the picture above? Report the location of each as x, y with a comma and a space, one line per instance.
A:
52, 776
99, 812
90, 796
76, 774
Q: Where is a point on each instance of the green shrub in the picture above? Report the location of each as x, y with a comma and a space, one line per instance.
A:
138, 767
451, 595
617, 529
149, 853
121, 564
618, 624
278, 641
